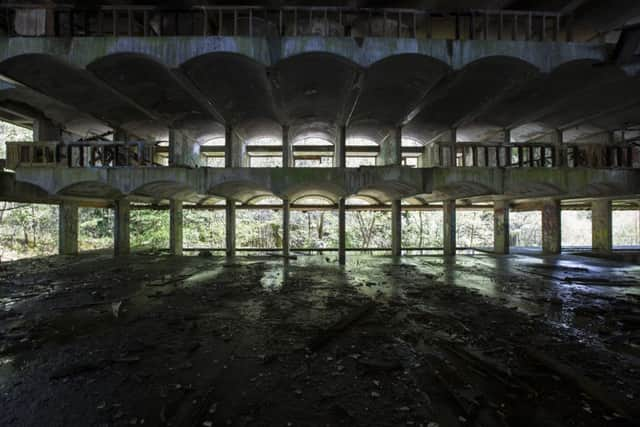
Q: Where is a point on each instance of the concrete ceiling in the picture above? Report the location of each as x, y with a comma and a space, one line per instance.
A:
315, 92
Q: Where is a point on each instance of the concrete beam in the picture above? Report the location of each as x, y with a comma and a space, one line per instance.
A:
601, 226
230, 228
396, 227
121, 232
342, 232
551, 227
45, 130
449, 227
175, 227
501, 227
68, 228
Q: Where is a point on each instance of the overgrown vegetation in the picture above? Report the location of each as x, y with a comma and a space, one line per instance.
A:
28, 230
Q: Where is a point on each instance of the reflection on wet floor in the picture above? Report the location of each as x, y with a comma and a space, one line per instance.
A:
218, 327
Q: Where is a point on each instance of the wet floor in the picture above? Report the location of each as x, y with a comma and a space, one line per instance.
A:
478, 340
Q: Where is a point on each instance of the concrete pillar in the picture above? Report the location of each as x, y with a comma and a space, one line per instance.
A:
449, 227
453, 138
341, 148
287, 154
286, 235
396, 227
601, 226
397, 147
501, 227
558, 158
68, 228
342, 231
183, 149
503, 156
391, 149
230, 224
121, 240
45, 130
228, 147
551, 227
175, 227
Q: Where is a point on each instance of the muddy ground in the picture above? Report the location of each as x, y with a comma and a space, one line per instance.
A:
192, 341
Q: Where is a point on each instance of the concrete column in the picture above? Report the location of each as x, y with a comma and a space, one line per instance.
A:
45, 130
451, 143
449, 227
175, 227
183, 149
557, 149
286, 235
68, 228
228, 147
287, 154
396, 227
601, 226
341, 148
342, 231
501, 227
551, 227
230, 224
121, 240
397, 147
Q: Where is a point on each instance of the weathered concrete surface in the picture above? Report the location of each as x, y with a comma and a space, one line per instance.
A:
175, 227
174, 51
68, 228
601, 226
449, 227
501, 239
121, 228
551, 227
380, 183
183, 340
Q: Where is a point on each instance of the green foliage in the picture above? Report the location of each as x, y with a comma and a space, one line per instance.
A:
149, 228
95, 228
9, 132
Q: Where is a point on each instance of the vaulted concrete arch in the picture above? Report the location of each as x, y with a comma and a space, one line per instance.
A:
246, 93
91, 190
316, 86
240, 190
476, 88
388, 191
395, 88
166, 190
59, 79
151, 84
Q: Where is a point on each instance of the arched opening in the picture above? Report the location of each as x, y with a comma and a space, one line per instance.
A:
313, 151
212, 152
259, 225
264, 152
204, 226
421, 227
314, 224
361, 151
368, 225
412, 152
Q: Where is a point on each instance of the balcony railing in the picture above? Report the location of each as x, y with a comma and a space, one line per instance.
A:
143, 21
469, 154
107, 154
80, 154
